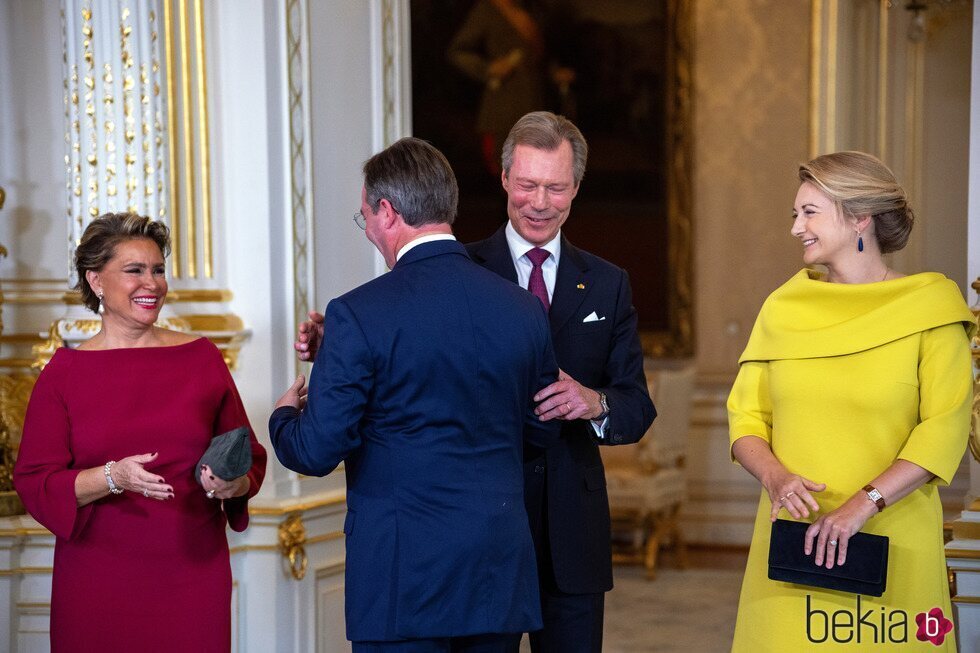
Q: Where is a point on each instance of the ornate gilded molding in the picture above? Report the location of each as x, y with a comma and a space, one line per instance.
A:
678, 340
292, 537
301, 183
113, 111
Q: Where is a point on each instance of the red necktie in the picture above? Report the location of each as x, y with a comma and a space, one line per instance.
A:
535, 284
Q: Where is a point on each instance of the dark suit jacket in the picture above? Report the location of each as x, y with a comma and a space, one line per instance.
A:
567, 480
424, 386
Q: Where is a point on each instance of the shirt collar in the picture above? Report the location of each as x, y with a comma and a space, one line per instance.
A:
519, 247
420, 240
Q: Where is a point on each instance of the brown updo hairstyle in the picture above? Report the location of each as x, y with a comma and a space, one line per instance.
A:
98, 245
860, 184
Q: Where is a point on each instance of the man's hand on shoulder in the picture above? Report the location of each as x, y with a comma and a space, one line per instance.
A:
567, 399
309, 337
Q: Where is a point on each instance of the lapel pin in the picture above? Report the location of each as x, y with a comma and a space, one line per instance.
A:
581, 286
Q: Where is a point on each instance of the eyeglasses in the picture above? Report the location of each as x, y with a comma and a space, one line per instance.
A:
360, 221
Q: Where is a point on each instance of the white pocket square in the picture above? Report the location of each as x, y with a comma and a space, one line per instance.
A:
592, 317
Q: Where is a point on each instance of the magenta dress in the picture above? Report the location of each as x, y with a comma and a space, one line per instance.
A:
132, 573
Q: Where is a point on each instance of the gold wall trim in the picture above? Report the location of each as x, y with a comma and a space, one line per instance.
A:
965, 554
226, 322
325, 537
965, 599
23, 532
204, 151
20, 571
199, 295
298, 507
831, 133
187, 138
28, 297
966, 530
816, 48
274, 548
883, 6
175, 231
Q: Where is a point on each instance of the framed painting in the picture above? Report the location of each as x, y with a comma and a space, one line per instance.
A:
621, 70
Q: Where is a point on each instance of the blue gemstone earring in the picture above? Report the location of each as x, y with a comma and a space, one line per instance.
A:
860, 244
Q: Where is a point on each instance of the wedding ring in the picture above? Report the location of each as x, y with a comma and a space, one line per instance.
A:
568, 408
209, 494
789, 494
781, 499
833, 543
145, 493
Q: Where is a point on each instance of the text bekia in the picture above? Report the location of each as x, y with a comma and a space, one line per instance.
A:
871, 626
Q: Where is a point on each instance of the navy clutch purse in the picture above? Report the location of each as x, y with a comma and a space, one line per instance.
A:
864, 572
229, 455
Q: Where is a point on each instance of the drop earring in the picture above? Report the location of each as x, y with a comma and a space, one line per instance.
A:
101, 295
860, 243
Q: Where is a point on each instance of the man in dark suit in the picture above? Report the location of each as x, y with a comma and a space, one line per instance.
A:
424, 386
601, 396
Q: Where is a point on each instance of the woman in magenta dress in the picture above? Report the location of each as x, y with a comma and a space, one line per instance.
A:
112, 435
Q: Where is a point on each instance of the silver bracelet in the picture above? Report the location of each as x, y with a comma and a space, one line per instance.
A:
107, 469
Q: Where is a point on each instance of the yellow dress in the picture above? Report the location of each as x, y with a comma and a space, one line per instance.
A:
842, 380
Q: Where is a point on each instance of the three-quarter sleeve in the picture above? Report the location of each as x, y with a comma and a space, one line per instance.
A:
231, 414
749, 404
43, 475
945, 393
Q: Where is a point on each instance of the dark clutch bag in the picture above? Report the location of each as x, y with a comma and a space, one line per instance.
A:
864, 571
229, 455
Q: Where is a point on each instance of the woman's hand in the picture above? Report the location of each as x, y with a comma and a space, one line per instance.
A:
218, 488
791, 491
833, 530
129, 474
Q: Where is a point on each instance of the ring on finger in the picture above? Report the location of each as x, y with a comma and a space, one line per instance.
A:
832, 543
146, 492
568, 407
781, 499
789, 494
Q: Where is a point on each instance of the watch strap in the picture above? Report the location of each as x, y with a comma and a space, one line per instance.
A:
874, 496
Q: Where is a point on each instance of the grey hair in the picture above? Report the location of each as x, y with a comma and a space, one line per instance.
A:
416, 179
544, 130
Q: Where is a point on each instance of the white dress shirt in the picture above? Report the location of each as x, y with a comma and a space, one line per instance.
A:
422, 239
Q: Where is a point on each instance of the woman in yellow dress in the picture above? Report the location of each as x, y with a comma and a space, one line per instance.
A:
852, 403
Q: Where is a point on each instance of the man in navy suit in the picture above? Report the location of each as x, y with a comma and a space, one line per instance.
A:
423, 386
601, 396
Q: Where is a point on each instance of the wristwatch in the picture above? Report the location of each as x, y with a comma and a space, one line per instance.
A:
605, 407
874, 496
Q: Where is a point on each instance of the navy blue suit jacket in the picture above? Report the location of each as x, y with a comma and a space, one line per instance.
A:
424, 387
567, 480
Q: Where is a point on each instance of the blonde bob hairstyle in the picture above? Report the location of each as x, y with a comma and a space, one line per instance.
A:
860, 184
98, 245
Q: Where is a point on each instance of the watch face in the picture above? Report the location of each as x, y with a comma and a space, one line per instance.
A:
874, 494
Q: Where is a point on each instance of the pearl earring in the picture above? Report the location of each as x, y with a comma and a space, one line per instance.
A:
101, 295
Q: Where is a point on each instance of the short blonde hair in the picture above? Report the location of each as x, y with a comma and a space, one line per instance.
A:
98, 245
860, 184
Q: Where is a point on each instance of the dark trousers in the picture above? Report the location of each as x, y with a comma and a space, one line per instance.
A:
572, 622
495, 643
